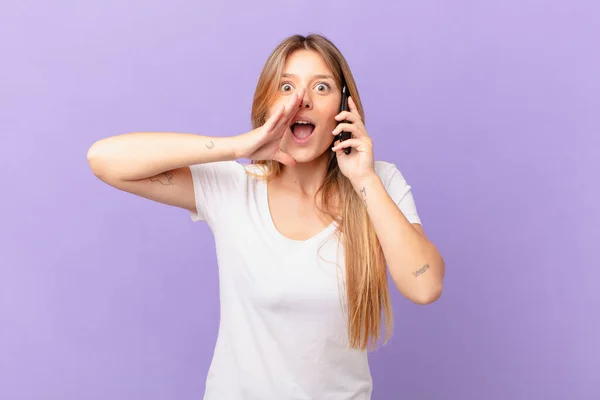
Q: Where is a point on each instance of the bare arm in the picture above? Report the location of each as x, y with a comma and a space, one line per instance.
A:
156, 165
415, 264
140, 155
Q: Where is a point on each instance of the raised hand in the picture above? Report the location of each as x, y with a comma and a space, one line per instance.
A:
359, 163
263, 143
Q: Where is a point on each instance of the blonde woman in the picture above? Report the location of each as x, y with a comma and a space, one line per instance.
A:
305, 234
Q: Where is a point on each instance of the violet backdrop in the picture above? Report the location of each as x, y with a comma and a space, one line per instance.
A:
490, 110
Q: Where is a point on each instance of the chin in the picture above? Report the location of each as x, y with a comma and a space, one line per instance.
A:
307, 155
303, 155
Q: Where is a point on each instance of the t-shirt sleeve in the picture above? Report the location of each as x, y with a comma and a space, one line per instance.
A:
398, 189
216, 186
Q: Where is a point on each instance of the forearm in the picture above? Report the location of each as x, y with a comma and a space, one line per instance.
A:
415, 264
140, 155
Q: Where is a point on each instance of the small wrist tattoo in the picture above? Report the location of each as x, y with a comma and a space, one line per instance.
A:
210, 145
363, 192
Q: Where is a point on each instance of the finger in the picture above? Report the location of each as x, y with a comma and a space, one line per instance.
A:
352, 106
348, 116
295, 101
284, 117
344, 127
354, 143
293, 107
275, 118
301, 93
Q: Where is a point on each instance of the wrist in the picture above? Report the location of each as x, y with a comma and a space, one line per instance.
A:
235, 143
220, 148
360, 183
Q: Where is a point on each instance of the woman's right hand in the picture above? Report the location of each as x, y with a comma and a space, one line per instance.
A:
263, 143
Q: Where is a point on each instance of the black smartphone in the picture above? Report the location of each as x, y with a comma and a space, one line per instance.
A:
344, 107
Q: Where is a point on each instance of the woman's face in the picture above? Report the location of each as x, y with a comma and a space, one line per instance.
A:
306, 69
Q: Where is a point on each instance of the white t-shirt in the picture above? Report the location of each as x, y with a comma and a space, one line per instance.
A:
282, 333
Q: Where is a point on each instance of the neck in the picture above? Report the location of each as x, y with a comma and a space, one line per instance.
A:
307, 177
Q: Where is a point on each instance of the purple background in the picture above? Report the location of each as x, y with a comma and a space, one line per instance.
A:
490, 109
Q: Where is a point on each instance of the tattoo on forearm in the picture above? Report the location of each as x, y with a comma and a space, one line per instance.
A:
210, 145
421, 270
363, 192
165, 179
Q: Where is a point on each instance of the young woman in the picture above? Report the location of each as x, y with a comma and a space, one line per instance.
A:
305, 234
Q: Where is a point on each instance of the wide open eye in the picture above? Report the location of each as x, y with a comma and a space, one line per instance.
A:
323, 87
286, 87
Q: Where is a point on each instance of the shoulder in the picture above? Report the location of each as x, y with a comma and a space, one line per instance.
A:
398, 189
393, 180
233, 171
219, 186
255, 170
388, 171
382, 166
223, 166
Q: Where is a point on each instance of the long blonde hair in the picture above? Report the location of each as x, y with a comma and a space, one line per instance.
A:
366, 274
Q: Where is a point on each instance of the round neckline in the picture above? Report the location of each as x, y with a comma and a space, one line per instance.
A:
270, 223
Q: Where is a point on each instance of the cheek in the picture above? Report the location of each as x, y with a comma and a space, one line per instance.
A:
270, 111
325, 131
329, 123
325, 136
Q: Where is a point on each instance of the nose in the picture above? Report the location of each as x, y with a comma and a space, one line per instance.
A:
306, 101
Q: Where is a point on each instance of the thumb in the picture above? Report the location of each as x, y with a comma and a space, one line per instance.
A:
284, 158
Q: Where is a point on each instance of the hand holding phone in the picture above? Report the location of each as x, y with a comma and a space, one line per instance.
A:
344, 107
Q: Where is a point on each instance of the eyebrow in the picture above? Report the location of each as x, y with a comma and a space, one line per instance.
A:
319, 76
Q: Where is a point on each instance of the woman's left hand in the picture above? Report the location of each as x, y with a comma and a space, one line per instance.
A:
359, 164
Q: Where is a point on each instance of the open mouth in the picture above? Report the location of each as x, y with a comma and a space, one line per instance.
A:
302, 131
